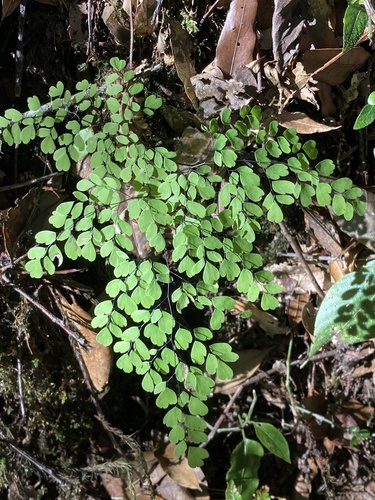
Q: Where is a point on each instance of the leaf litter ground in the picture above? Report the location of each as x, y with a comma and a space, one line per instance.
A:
66, 431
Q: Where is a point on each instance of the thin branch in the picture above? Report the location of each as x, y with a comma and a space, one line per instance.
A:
19, 48
293, 243
280, 370
33, 461
30, 182
46, 312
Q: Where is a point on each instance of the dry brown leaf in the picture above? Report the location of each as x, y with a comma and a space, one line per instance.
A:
9, 6
247, 364
325, 232
317, 404
238, 39
295, 307
340, 70
98, 360
337, 270
193, 148
357, 410
267, 322
293, 278
115, 26
308, 319
15, 219
113, 485
182, 48
287, 24
143, 25
364, 369
177, 469
170, 490
302, 123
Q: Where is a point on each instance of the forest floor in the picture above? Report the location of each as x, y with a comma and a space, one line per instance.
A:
60, 440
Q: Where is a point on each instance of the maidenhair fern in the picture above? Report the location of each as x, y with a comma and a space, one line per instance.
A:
200, 228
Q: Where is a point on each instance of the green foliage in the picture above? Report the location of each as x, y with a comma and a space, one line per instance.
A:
347, 309
242, 476
200, 227
367, 114
356, 19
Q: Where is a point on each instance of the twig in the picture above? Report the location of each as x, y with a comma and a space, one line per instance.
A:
39, 466
131, 48
293, 243
30, 182
45, 311
155, 15
255, 380
223, 415
208, 12
19, 48
89, 27
20, 338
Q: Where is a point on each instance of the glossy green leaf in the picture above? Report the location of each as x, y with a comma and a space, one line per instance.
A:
355, 22
272, 439
347, 310
244, 465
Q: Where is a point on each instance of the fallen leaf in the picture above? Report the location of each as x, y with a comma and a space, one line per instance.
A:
15, 219
295, 306
324, 230
177, 469
287, 24
364, 369
237, 41
357, 410
293, 278
302, 123
194, 147
308, 318
9, 6
113, 485
143, 25
247, 364
98, 360
340, 70
267, 322
182, 48
170, 490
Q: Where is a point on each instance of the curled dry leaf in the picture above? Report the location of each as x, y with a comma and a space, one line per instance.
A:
293, 278
182, 48
295, 306
115, 26
9, 6
287, 24
302, 123
177, 469
98, 360
267, 322
15, 219
247, 364
143, 25
324, 230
